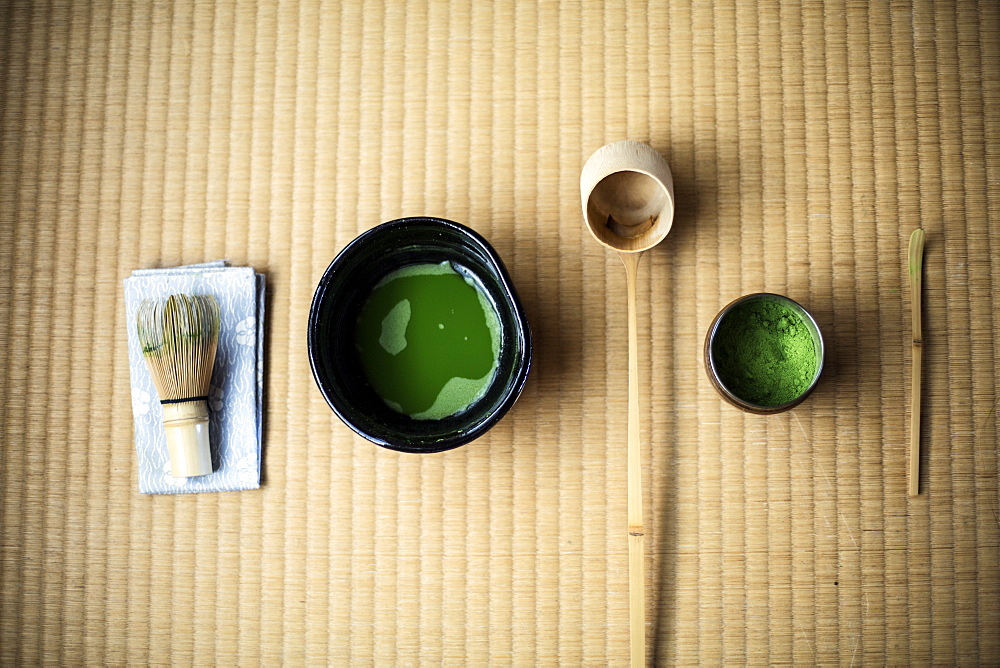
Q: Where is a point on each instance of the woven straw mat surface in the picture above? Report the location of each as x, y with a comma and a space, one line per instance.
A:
806, 140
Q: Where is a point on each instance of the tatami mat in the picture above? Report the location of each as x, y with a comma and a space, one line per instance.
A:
807, 141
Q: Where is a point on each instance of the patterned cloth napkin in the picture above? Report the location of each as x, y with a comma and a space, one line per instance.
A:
235, 398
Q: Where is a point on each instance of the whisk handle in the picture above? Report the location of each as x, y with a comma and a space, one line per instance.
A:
186, 426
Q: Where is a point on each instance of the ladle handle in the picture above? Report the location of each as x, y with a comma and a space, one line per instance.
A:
636, 532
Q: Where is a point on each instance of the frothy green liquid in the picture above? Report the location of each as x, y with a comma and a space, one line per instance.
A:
429, 341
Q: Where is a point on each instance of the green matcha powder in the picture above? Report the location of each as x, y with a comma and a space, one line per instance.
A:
764, 353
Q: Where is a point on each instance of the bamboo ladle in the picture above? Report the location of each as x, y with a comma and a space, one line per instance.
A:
627, 192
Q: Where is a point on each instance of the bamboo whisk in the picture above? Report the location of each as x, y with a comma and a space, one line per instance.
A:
179, 337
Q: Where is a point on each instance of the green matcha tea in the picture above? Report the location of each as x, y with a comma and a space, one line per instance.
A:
765, 353
429, 340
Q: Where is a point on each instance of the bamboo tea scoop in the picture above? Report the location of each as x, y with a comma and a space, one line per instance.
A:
627, 193
916, 269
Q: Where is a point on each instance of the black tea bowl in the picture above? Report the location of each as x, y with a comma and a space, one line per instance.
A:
341, 293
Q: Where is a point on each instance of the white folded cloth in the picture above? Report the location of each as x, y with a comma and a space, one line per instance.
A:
235, 399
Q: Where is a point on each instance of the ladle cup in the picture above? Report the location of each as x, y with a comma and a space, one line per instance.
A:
627, 192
